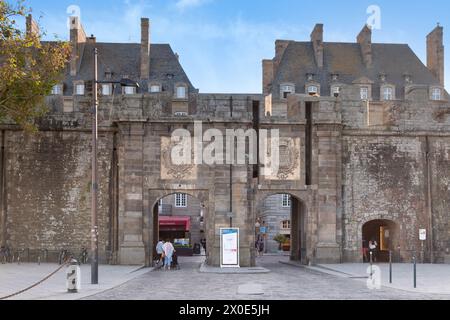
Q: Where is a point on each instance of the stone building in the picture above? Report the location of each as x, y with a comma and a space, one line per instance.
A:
364, 152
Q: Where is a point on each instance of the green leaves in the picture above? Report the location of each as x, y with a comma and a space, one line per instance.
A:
28, 69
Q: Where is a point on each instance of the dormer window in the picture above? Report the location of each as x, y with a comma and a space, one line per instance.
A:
286, 90
181, 92
436, 94
313, 90
387, 93
364, 92
106, 89
129, 90
155, 88
79, 89
57, 90
335, 91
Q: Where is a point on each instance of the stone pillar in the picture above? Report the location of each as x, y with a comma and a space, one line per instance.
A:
329, 175
131, 208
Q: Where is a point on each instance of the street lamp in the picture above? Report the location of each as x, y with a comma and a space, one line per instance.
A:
94, 188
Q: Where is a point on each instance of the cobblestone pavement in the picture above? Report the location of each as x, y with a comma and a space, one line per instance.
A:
283, 283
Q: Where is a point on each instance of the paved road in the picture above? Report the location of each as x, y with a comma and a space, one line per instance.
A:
283, 283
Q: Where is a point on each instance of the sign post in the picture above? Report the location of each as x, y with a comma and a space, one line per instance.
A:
229, 248
423, 238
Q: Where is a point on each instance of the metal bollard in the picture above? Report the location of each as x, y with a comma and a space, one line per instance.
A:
371, 263
73, 277
390, 266
415, 271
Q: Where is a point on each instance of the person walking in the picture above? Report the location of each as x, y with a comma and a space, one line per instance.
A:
160, 251
168, 250
261, 246
373, 245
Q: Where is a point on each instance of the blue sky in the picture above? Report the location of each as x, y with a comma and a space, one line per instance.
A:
221, 42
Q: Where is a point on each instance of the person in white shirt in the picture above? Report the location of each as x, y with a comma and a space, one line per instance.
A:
160, 251
168, 253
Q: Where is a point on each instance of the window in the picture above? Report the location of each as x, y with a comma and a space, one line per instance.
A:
286, 224
286, 201
57, 90
313, 90
129, 90
106, 89
79, 89
335, 90
436, 94
180, 114
286, 90
181, 92
180, 200
364, 91
388, 93
155, 88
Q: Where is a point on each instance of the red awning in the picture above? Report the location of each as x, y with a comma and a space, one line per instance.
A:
178, 223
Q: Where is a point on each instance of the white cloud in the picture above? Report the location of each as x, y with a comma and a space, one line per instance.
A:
185, 4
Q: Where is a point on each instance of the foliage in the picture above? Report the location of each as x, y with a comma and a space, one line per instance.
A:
28, 68
281, 239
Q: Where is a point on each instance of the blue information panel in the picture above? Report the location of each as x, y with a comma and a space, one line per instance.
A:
229, 247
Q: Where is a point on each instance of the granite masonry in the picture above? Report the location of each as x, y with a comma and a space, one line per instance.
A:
365, 136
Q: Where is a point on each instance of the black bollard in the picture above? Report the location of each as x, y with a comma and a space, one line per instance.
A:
415, 271
371, 263
390, 266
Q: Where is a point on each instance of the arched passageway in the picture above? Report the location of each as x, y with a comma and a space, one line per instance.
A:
385, 234
281, 223
180, 219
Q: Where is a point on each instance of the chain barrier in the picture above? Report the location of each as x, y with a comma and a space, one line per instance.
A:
66, 263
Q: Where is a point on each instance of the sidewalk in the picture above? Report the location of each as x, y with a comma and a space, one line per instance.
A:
14, 277
431, 278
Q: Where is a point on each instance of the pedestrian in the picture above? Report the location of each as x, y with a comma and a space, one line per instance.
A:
261, 246
373, 245
203, 242
160, 252
365, 251
168, 250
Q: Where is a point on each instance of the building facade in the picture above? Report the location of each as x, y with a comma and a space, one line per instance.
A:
364, 141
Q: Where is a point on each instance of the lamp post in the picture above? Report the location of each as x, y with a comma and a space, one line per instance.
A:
94, 187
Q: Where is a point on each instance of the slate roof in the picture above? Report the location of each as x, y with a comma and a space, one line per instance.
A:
123, 59
345, 59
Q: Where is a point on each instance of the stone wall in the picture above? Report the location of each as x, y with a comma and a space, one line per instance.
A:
48, 182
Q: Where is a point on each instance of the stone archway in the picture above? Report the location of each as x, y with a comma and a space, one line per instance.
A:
300, 239
151, 222
386, 233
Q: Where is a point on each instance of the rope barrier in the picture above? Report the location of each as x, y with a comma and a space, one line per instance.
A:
38, 283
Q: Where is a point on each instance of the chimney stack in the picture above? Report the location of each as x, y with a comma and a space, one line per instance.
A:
77, 39
317, 41
145, 48
365, 41
32, 27
435, 53
268, 74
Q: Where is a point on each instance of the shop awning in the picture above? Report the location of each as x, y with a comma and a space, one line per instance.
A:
175, 223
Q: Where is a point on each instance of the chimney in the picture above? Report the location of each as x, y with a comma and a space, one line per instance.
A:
32, 27
317, 41
365, 41
77, 39
435, 53
145, 48
91, 39
268, 74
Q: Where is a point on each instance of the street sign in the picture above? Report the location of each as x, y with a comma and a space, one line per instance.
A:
423, 234
229, 247
263, 230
